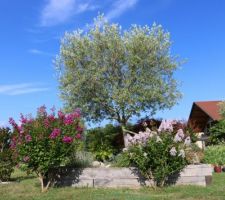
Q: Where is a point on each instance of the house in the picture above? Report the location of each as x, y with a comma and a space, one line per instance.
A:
203, 115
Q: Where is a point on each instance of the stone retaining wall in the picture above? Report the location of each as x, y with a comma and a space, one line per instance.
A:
129, 177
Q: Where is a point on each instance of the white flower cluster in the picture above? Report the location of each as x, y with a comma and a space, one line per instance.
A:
166, 125
141, 137
173, 152
179, 137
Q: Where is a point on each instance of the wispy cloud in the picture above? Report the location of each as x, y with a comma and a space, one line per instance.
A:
39, 52
59, 11
119, 7
23, 88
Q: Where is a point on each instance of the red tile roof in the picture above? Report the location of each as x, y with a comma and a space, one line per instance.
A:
211, 108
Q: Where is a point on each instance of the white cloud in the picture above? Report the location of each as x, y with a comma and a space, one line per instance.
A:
119, 7
23, 88
59, 11
39, 52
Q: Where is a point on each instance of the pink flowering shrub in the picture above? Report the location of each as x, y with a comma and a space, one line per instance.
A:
45, 142
158, 154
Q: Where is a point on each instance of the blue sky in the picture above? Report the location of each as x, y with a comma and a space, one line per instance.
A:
30, 37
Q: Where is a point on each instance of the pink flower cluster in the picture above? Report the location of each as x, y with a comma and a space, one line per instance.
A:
69, 118
25, 120
61, 115
24, 133
51, 118
79, 129
42, 110
15, 126
12, 122
78, 136
46, 123
55, 133
28, 138
67, 139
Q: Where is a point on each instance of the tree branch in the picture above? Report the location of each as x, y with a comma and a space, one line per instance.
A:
127, 131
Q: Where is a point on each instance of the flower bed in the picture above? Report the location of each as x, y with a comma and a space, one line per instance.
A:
129, 177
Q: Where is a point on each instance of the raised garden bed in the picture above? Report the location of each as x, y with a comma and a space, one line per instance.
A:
129, 177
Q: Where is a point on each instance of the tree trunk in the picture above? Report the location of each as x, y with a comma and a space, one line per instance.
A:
44, 188
124, 136
125, 132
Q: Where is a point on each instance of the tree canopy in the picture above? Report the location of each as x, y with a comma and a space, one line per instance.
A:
114, 74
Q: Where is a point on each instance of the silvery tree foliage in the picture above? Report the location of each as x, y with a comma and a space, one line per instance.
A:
114, 74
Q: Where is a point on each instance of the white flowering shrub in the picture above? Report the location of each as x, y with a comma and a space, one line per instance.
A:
158, 154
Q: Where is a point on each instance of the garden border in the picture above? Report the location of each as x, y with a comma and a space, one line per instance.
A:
129, 177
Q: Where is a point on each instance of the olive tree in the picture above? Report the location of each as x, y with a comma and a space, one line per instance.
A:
115, 74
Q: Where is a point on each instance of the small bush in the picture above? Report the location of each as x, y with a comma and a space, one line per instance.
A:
6, 160
158, 154
81, 159
217, 133
194, 154
121, 160
215, 155
103, 143
46, 142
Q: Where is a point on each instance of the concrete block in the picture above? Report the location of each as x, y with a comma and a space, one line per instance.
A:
129, 177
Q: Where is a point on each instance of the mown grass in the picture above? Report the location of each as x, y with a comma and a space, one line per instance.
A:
28, 187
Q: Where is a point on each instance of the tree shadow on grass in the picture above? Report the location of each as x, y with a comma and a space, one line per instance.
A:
66, 176
141, 179
171, 180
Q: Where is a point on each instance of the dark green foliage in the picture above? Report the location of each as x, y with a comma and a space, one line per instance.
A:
104, 142
6, 160
217, 133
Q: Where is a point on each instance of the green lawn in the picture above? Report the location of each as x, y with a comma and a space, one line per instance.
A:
27, 187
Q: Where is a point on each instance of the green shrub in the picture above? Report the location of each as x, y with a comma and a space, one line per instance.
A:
194, 154
6, 161
121, 160
81, 159
217, 133
102, 142
158, 154
215, 155
154, 159
46, 142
